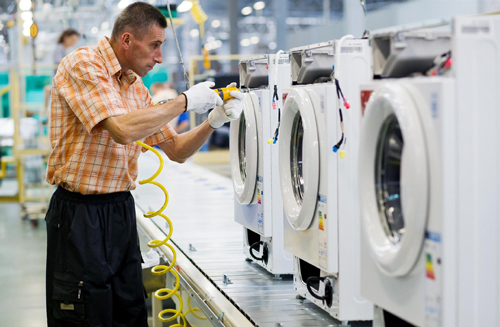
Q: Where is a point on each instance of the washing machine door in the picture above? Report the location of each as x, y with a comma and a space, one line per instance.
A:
299, 159
394, 179
244, 150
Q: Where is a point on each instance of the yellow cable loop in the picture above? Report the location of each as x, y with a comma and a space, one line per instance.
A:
162, 269
193, 311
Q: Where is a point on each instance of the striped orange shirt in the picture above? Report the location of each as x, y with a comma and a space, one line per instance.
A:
88, 88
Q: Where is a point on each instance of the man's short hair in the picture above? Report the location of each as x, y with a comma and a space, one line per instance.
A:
136, 19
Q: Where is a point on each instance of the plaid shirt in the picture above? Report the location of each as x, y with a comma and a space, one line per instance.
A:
88, 88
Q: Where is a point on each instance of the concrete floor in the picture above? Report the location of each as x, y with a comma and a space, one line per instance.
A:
22, 269
221, 169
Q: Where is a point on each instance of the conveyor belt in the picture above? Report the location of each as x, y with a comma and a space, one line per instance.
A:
201, 209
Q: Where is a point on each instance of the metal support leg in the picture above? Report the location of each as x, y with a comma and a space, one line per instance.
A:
354, 18
378, 317
233, 11
157, 306
281, 14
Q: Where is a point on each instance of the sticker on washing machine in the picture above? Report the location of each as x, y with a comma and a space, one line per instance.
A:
281, 61
433, 279
260, 205
322, 231
434, 105
351, 49
322, 101
284, 95
365, 96
476, 27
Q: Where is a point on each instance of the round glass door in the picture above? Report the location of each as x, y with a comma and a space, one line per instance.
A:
296, 158
393, 177
387, 178
243, 149
299, 159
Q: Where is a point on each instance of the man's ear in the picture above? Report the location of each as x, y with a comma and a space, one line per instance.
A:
125, 40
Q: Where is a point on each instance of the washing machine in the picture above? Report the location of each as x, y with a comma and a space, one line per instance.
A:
318, 153
426, 219
403, 149
254, 156
476, 51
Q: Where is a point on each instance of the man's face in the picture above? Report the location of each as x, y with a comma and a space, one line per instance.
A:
143, 54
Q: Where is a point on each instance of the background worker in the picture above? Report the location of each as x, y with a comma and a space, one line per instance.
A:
65, 42
99, 108
162, 91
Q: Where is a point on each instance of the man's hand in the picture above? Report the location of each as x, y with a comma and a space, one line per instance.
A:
200, 98
231, 110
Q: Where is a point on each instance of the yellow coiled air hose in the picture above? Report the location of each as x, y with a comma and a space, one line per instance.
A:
193, 311
165, 293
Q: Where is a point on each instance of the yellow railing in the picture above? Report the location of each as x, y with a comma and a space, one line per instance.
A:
4, 162
20, 109
5, 90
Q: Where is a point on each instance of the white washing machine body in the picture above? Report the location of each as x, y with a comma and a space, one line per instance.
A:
476, 51
258, 206
304, 171
319, 188
407, 171
475, 299
246, 155
430, 228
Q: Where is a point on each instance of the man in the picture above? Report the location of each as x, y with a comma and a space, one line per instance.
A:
99, 108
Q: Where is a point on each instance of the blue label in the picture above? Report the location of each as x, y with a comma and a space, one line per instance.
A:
259, 178
434, 105
433, 236
322, 198
393, 197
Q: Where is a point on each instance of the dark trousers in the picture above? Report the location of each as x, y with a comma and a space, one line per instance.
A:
94, 275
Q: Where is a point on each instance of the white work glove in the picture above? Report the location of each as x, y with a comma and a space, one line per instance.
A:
200, 98
231, 109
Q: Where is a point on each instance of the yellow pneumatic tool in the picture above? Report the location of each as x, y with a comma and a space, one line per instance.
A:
224, 92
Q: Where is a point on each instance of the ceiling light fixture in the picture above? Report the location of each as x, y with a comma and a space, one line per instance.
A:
246, 11
123, 4
259, 5
216, 23
25, 5
27, 15
194, 33
213, 45
245, 42
184, 6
